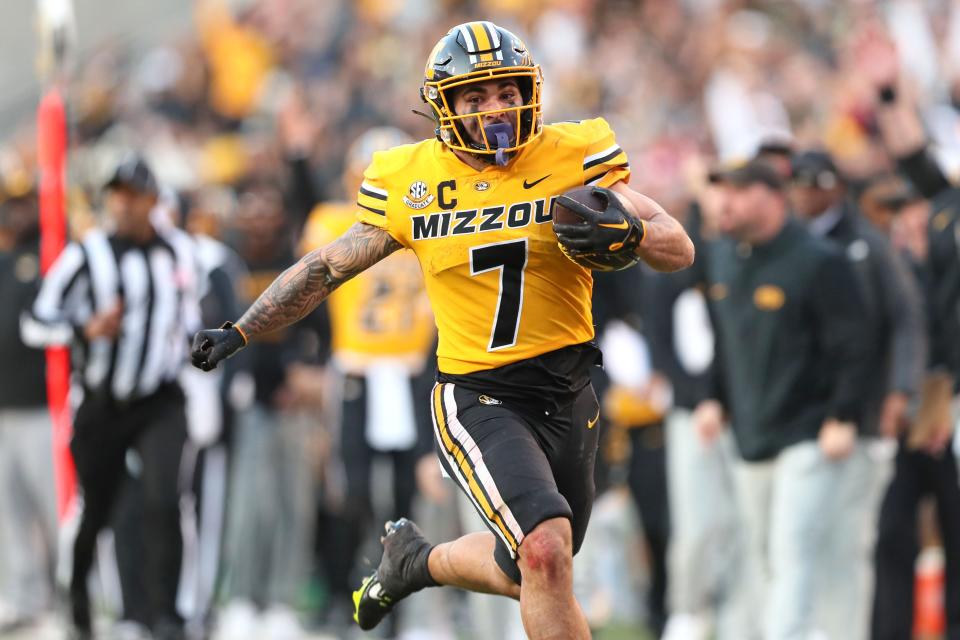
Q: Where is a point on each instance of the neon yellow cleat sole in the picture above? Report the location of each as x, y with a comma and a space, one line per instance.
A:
371, 603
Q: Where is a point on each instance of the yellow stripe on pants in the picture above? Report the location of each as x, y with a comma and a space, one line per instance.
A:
463, 462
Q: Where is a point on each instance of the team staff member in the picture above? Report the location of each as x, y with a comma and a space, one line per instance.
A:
818, 195
513, 403
126, 301
894, 310
381, 333
793, 368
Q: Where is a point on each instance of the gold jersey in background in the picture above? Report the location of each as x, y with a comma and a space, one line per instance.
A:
383, 312
500, 288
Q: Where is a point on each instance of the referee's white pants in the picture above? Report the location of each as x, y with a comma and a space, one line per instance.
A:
844, 591
28, 510
786, 504
704, 545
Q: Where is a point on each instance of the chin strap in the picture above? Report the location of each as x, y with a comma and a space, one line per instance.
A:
432, 119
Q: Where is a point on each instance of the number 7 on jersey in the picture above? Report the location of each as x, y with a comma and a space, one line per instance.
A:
511, 258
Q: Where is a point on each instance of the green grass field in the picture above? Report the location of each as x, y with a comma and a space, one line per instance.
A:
623, 633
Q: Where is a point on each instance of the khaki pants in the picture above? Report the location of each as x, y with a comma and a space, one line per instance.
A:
844, 589
704, 547
785, 506
28, 511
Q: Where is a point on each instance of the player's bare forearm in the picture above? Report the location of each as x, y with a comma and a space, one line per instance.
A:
665, 245
301, 288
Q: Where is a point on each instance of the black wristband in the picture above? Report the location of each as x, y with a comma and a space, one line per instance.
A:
887, 94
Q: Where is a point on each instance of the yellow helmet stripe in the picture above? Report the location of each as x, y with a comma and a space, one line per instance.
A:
482, 39
493, 33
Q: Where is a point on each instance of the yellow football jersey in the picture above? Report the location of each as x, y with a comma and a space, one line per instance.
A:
383, 312
501, 289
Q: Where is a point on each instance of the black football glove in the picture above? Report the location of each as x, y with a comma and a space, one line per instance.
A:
210, 346
612, 230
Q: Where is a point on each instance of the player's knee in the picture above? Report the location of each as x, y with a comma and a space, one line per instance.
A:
547, 551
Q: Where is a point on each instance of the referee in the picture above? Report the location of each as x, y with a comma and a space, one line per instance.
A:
125, 300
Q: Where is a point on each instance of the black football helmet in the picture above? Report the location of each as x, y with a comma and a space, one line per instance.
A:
476, 52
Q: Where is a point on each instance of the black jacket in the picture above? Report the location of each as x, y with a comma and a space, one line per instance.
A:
941, 274
22, 374
944, 283
674, 327
791, 338
894, 306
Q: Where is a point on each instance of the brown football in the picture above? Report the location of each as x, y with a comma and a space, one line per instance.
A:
583, 195
602, 261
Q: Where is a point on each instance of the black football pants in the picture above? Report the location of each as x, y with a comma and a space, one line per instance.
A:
155, 426
647, 479
917, 475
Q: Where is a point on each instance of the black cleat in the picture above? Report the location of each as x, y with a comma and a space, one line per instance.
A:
402, 571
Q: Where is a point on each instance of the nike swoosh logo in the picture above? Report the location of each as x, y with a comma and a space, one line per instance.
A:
592, 423
623, 225
530, 185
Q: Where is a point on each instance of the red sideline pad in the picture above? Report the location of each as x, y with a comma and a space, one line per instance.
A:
52, 160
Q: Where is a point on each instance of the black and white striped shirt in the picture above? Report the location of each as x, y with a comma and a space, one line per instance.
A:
156, 285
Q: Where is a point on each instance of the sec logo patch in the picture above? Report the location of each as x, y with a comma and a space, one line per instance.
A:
419, 196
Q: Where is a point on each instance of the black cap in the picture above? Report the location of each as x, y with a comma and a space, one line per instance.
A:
815, 169
752, 172
775, 145
133, 172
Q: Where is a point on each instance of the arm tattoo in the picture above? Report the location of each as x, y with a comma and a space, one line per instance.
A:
301, 288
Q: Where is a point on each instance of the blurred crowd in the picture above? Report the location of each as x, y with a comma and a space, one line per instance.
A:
256, 125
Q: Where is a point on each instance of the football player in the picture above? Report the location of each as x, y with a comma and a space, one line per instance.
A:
514, 413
